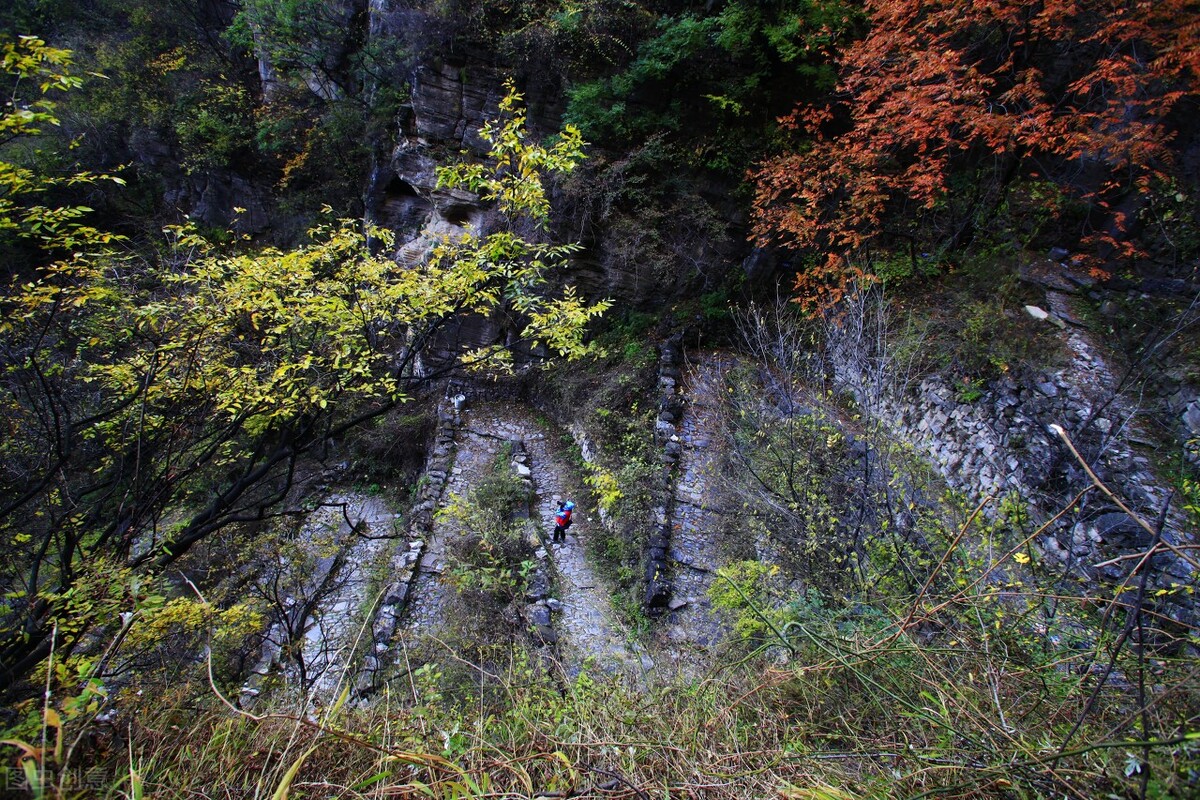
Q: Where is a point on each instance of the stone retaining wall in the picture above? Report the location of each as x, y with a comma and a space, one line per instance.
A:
666, 436
1001, 442
405, 560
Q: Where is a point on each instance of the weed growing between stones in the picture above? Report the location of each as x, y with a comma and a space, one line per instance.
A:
944, 644
826, 496
489, 558
492, 557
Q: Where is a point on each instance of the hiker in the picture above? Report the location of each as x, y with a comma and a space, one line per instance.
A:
562, 521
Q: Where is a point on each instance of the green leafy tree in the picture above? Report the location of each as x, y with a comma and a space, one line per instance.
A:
310, 38
34, 72
713, 83
330, 86
149, 405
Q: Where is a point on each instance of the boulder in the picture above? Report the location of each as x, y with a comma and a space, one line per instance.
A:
539, 586
1191, 417
1037, 313
545, 635
539, 615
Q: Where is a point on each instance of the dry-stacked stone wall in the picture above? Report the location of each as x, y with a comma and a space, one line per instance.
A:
666, 436
1003, 442
406, 560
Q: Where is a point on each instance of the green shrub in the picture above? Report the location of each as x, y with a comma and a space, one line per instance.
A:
492, 554
215, 132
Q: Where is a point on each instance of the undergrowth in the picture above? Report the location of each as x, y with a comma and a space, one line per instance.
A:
949, 658
989, 676
928, 695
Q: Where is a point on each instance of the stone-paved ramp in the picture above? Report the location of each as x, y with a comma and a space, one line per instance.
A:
695, 551
586, 625
340, 626
478, 441
327, 590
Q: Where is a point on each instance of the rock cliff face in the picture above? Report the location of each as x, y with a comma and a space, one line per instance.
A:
451, 100
211, 198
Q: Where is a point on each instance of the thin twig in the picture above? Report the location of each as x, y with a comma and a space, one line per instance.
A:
1099, 484
945, 557
422, 759
620, 779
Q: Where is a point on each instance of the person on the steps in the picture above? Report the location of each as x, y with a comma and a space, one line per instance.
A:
562, 520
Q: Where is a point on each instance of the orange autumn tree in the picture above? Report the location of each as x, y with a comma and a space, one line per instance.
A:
1079, 93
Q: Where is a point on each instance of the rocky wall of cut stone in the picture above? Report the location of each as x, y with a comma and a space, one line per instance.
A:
1167, 383
659, 589
397, 595
696, 524
1002, 442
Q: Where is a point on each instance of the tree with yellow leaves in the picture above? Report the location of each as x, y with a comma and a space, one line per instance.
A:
190, 387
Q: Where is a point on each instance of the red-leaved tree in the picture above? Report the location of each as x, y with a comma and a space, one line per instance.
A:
1080, 93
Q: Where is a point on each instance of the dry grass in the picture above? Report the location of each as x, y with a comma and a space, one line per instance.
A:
852, 711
